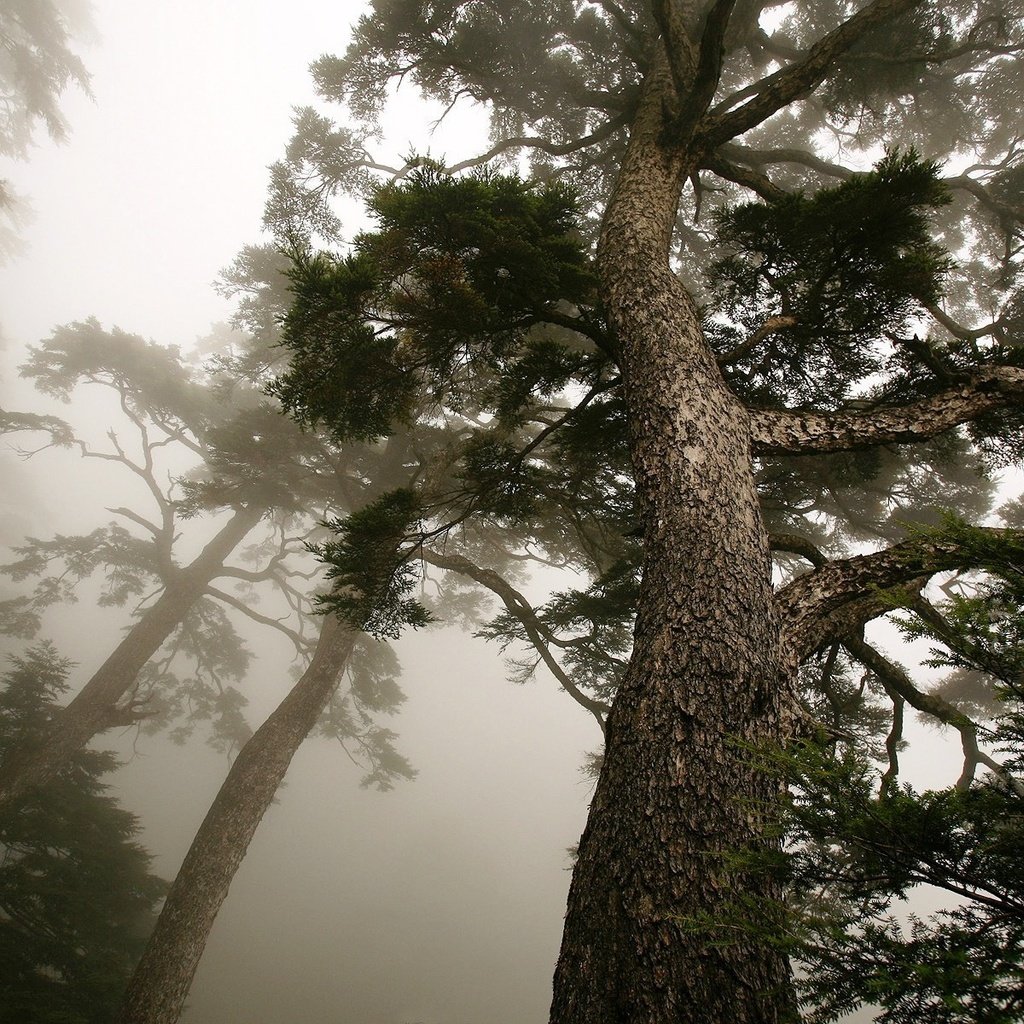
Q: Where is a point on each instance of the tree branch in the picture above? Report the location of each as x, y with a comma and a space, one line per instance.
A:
795, 545
302, 644
803, 76
761, 157
772, 325
896, 678
785, 432
756, 181
599, 134
521, 609
678, 46
832, 601
708, 72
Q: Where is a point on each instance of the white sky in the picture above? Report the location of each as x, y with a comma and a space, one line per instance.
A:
164, 175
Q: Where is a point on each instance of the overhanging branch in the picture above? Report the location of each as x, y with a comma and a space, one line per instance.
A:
803, 76
785, 432
522, 610
831, 602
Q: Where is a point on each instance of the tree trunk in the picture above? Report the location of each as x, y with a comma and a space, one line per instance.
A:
646, 936
95, 708
163, 976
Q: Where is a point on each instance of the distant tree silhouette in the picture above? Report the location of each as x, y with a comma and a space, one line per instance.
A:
77, 898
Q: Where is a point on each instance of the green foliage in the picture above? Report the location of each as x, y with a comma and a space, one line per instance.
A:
371, 571
254, 456
529, 60
846, 264
428, 307
77, 899
852, 853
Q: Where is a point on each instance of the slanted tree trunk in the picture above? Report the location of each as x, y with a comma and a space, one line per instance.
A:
163, 976
678, 796
97, 707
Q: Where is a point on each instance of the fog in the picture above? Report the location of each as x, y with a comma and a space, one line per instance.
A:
441, 900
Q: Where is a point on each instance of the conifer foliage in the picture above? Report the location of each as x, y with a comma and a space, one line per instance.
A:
77, 897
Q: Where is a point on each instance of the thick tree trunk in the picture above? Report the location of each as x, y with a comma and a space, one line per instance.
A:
96, 707
650, 932
162, 979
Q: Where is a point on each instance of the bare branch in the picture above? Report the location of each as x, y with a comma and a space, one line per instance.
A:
762, 157
795, 545
785, 432
772, 325
895, 677
898, 679
757, 182
977, 189
136, 518
707, 73
302, 644
521, 609
599, 134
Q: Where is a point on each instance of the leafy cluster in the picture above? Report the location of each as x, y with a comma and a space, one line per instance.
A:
369, 566
432, 303
854, 853
841, 268
77, 899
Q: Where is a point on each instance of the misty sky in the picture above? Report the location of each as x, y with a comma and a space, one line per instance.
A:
442, 901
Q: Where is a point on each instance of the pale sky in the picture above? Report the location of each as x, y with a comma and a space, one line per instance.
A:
164, 174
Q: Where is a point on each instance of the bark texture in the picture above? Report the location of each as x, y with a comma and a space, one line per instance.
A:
99, 704
796, 433
825, 605
164, 975
646, 937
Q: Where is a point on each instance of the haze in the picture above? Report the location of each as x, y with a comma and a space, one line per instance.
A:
442, 900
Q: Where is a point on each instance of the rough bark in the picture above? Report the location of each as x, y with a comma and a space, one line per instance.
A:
825, 605
98, 706
157, 991
802, 432
646, 937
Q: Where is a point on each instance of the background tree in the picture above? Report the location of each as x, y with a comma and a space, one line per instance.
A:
77, 898
737, 396
250, 459
223, 448
38, 65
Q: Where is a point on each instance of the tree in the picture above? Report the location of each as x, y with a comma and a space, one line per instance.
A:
158, 988
225, 449
167, 409
37, 66
250, 460
77, 898
778, 388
